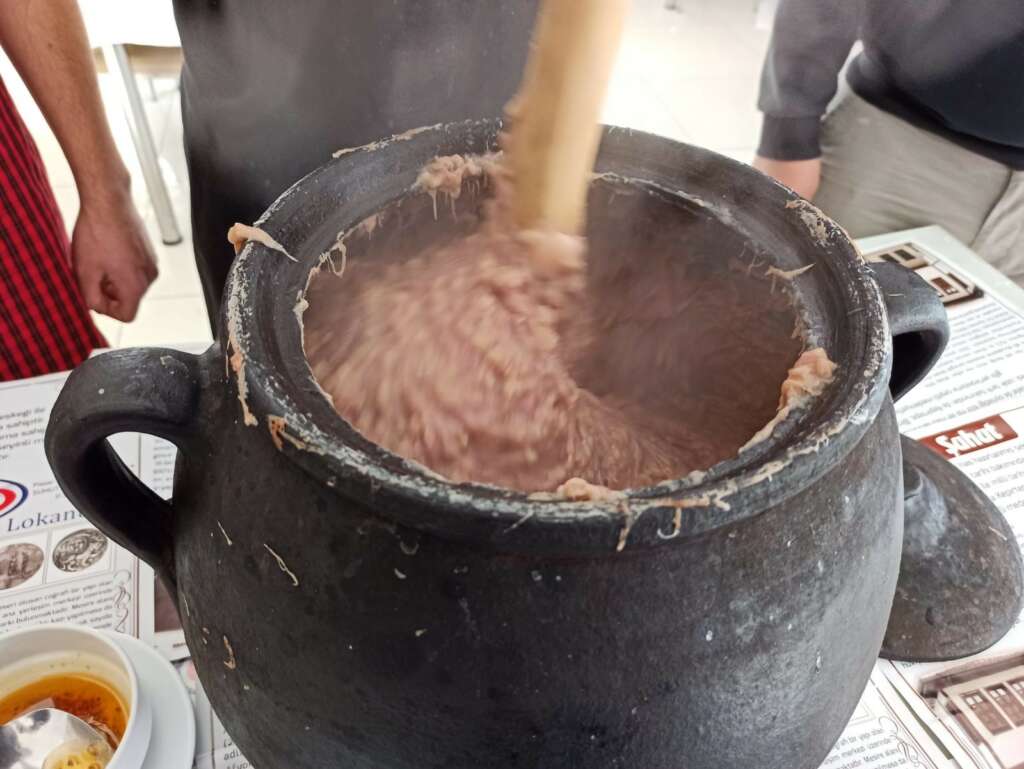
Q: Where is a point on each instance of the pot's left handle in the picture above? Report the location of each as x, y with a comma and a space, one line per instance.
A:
153, 391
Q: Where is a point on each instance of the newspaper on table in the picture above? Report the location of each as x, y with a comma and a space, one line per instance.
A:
54, 565
970, 410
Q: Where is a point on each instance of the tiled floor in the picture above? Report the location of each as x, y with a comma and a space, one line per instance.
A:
690, 74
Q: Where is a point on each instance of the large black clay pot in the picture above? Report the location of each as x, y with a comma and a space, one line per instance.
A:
346, 608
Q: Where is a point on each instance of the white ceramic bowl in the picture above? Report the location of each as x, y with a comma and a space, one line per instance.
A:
53, 649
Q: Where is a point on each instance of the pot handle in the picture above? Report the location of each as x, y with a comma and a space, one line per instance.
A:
917, 321
153, 391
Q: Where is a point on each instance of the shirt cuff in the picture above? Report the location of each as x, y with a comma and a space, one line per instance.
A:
790, 138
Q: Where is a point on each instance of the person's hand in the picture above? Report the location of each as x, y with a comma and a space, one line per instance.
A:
801, 176
112, 256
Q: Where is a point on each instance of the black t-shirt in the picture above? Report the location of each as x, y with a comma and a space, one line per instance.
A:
270, 88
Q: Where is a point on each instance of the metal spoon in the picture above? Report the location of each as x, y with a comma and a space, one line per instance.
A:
38, 739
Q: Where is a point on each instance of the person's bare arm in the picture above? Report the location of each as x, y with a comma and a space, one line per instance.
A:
111, 253
801, 176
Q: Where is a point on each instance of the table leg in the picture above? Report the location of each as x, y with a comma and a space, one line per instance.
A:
117, 62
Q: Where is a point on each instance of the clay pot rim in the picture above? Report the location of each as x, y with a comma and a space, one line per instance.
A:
261, 336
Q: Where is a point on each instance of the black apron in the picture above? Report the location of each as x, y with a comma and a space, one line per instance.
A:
270, 88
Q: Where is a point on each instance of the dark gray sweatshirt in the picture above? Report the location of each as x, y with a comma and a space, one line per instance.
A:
952, 67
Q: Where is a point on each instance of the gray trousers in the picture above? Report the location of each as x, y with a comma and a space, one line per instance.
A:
880, 174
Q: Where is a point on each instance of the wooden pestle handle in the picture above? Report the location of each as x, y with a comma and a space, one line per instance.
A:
555, 118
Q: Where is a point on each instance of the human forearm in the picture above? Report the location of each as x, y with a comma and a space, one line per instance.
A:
46, 41
801, 176
110, 251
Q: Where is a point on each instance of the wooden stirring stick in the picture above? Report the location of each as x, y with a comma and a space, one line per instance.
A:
555, 117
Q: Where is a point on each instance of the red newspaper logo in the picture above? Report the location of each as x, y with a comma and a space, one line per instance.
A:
972, 437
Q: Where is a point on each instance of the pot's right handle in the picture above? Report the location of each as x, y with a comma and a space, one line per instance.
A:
917, 321
153, 391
